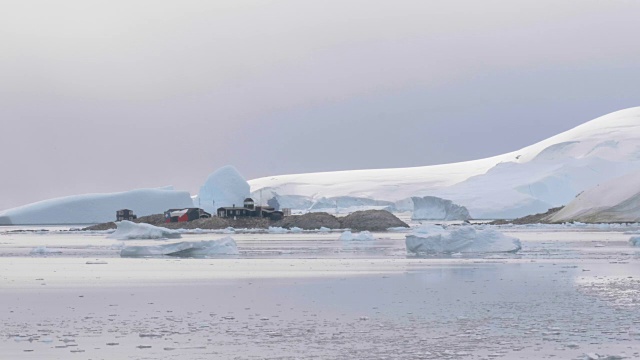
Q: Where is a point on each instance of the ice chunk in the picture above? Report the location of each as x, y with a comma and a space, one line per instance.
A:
465, 239
277, 230
43, 250
635, 240
128, 230
296, 230
224, 246
362, 236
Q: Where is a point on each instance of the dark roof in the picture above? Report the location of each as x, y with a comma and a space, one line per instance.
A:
248, 199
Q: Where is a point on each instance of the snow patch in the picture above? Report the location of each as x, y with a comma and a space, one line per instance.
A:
128, 230
464, 239
224, 246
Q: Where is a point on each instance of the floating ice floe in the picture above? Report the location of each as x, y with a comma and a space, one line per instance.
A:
362, 236
277, 230
224, 246
128, 230
43, 250
635, 240
464, 239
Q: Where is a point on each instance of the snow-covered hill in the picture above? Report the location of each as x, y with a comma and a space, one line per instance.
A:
531, 180
96, 208
612, 201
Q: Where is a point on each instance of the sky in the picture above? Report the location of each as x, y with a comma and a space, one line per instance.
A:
102, 96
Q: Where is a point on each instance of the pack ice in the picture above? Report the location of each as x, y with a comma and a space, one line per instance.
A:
462, 239
95, 208
531, 180
224, 187
128, 230
205, 248
361, 236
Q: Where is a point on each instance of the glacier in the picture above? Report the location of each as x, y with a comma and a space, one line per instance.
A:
204, 248
128, 230
224, 187
430, 239
531, 180
96, 208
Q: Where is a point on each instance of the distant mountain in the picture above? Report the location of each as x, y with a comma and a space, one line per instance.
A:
547, 174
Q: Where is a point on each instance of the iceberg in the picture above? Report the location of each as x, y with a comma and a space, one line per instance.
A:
634, 241
205, 248
224, 187
463, 239
435, 208
361, 236
128, 230
531, 180
95, 208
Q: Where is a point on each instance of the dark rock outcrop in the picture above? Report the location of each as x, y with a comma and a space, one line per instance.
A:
371, 220
310, 221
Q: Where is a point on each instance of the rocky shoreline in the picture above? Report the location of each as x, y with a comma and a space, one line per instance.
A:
369, 220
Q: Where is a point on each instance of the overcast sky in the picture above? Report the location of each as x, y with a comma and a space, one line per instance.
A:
99, 96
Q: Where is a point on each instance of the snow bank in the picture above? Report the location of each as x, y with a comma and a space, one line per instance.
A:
615, 200
464, 239
224, 246
95, 208
43, 250
635, 240
361, 236
435, 208
128, 230
531, 180
226, 187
